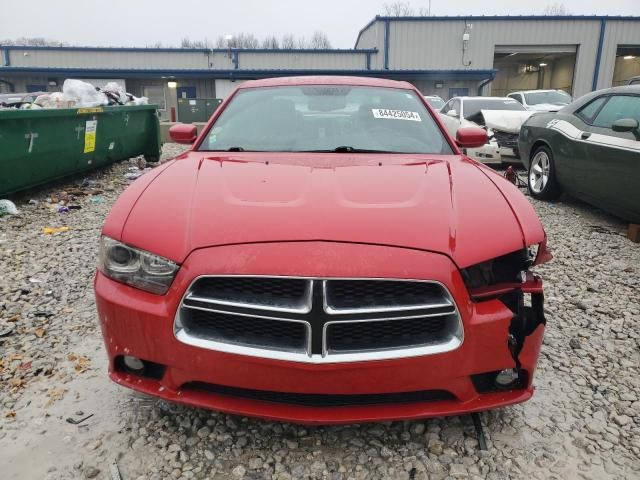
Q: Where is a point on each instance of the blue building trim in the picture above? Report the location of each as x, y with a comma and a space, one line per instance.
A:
387, 34
105, 49
596, 69
246, 74
489, 18
297, 50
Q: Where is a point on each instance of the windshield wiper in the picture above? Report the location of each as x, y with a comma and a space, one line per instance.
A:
348, 149
230, 149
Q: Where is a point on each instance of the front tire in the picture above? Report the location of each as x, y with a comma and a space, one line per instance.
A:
541, 177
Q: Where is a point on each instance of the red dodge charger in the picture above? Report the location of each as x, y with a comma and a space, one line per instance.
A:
324, 253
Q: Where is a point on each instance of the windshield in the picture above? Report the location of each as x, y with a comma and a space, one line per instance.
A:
326, 118
436, 102
473, 106
553, 98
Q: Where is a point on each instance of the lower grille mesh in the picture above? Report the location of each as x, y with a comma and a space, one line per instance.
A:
353, 336
323, 400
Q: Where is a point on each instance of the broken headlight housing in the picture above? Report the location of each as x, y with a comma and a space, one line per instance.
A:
502, 274
136, 267
505, 269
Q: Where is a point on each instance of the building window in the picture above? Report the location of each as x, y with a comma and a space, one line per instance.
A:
155, 94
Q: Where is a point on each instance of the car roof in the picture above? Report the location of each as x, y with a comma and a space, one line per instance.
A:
621, 89
326, 80
483, 98
579, 103
540, 90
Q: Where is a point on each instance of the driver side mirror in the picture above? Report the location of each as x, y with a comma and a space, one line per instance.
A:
471, 137
452, 113
626, 125
183, 133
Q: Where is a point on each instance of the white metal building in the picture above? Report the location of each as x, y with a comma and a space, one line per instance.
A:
441, 55
577, 53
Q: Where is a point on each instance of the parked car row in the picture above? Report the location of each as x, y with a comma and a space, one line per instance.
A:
542, 100
501, 117
589, 148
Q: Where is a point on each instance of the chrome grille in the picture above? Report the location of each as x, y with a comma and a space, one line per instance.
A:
506, 139
319, 320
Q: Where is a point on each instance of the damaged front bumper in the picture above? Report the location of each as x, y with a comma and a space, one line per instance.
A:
496, 337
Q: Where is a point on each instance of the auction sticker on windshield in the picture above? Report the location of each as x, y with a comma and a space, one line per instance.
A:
396, 114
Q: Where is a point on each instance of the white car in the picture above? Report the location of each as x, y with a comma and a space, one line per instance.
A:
542, 100
435, 101
501, 116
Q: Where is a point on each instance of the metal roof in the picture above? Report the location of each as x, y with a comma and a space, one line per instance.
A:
188, 50
476, 18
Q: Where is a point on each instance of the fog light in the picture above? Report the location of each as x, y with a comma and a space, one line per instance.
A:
506, 377
133, 363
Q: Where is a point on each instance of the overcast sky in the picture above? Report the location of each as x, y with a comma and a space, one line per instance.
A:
145, 22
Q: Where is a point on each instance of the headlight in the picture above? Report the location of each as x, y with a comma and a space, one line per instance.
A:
505, 269
135, 267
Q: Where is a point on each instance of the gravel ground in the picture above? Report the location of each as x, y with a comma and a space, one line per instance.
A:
583, 422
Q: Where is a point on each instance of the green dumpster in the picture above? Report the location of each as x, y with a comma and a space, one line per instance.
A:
37, 146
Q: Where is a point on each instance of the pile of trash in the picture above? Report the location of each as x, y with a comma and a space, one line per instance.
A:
76, 94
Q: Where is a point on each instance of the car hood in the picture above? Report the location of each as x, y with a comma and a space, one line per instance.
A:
505, 120
546, 107
449, 205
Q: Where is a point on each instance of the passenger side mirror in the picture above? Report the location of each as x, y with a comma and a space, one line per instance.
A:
452, 113
471, 137
183, 133
627, 125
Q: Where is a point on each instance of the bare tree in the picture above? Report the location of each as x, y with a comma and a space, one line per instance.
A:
398, 9
288, 41
244, 40
319, 41
33, 42
188, 43
271, 42
556, 9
